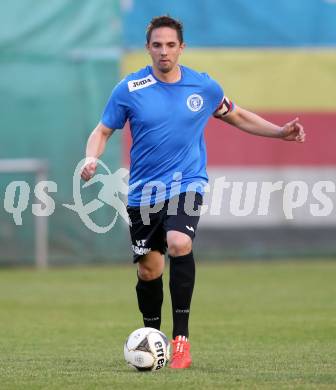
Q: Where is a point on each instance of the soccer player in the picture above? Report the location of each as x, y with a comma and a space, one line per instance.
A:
168, 106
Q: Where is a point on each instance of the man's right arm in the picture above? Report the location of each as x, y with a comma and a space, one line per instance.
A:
94, 149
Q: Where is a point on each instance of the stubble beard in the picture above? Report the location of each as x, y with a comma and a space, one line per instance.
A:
165, 69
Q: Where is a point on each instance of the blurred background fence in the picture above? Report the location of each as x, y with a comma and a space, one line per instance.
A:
59, 61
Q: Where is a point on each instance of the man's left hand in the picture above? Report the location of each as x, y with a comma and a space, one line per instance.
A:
293, 131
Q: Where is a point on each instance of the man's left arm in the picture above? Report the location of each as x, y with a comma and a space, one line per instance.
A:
254, 124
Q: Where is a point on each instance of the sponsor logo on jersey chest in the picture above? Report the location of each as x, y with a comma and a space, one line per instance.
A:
195, 102
134, 85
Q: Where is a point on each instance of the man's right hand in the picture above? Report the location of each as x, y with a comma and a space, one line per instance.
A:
89, 169
95, 148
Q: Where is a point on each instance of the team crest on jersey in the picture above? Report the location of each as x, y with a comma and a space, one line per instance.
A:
195, 102
133, 85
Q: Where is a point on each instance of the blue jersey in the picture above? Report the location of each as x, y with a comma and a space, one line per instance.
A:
167, 121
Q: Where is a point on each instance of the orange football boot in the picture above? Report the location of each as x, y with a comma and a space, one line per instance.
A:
181, 357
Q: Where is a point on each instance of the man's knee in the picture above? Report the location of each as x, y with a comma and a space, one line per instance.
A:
179, 244
147, 273
151, 266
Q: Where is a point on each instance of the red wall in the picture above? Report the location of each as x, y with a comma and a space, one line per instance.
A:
227, 145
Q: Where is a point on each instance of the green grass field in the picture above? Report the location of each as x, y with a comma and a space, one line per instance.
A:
253, 326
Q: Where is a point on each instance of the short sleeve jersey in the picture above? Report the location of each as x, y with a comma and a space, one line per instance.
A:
167, 122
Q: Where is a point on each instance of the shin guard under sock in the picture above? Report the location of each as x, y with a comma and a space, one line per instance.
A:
150, 298
181, 284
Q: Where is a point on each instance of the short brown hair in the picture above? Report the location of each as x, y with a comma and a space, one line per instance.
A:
165, 21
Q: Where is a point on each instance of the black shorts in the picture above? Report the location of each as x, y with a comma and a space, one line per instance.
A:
149, 229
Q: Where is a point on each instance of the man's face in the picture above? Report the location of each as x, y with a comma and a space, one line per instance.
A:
164, 48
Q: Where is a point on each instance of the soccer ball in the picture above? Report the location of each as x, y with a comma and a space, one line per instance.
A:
147, 349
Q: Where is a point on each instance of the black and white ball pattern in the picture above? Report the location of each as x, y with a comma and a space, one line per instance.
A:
147, 349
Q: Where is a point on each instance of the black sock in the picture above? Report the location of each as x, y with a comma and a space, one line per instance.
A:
181, 284
150, 298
